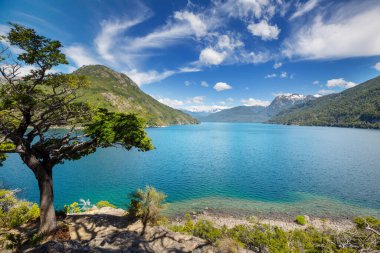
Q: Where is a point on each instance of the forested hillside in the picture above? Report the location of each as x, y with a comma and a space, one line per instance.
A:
355, 107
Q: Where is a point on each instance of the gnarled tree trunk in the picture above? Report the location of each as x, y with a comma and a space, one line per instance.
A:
44, 176
48, 221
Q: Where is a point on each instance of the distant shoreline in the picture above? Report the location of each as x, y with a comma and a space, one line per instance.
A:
285, 222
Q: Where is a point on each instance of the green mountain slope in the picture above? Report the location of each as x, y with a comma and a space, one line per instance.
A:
355, 107
117, 92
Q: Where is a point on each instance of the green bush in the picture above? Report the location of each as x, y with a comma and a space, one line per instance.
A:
104, 203
372, 222
72, 208
300, 219
147, 205
206, 230
264, 238
14, 212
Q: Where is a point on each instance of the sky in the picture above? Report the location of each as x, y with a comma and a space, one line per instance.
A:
204, 55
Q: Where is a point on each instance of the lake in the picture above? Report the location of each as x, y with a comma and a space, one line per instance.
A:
230, 167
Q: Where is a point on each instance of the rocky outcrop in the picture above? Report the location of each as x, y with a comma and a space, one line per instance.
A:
109, 230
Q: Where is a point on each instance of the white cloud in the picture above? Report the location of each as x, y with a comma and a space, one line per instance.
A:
283, 74
264, 30
350, 30
377, 66
321, 93
175, 103
79, 55
187, 83
225, 42
304, 8
277, 65
189, 70
278, 94
316, 82
254, 102
209, 56
206, 108
196, 24
110, 30
171, 102
196, 100
340, 82
271, 75
184, 25
255, 58
4, 29
204, 84
246, 8
220, 86
141, 78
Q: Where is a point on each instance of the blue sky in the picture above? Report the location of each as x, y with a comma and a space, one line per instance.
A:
206, 55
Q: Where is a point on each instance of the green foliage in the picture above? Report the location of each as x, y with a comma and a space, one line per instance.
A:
206, 230
187, 228
126, 130
372, 222
14, 212
162, 221
72, 208
31, 105
13, 242
300, 219
37, 48
104, 203
355, 107
227, 245
264, 238
147, 204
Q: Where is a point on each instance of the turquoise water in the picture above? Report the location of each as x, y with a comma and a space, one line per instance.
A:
248, 168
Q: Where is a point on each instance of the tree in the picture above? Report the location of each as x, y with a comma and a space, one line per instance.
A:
33, 104
147, 205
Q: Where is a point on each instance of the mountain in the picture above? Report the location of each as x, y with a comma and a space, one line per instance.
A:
197, 115
355, 107
117, 92
238, 114
257, 113
283, 102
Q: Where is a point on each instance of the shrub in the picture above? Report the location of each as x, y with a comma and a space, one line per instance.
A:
14, 212
104, 203
227, 245
72, 208
13, 242
253, 219
300, 219
365, 222
162, 221
147, 205
206, 230
264, 238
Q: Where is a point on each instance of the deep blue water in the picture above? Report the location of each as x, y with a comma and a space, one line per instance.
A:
228, 166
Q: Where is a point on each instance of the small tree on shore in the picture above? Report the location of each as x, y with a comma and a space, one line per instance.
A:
32, 104
147, 205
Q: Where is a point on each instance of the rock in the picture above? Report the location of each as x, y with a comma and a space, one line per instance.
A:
61, 247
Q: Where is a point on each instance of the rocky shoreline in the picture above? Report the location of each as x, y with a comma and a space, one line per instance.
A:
109, 230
